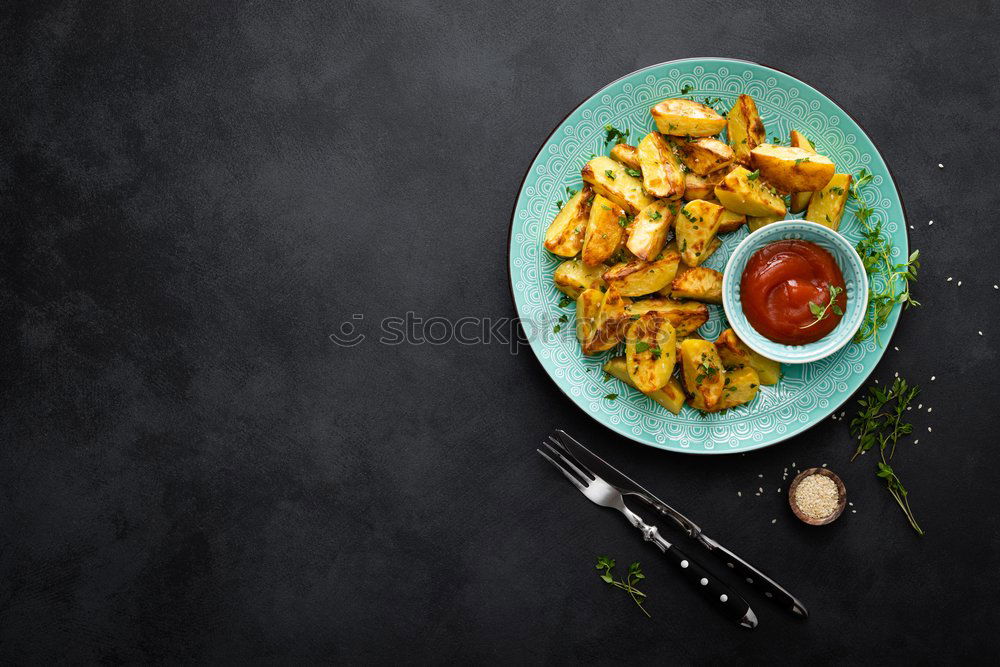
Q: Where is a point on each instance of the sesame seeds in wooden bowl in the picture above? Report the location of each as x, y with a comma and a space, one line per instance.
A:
817, 496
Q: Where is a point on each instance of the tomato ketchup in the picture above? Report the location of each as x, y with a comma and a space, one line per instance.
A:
780, 282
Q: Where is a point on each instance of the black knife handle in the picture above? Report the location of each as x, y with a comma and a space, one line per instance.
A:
728, 601
731, 603
751, 575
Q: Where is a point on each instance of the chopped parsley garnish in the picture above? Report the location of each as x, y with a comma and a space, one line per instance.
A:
641, 346
655, 215
610, 174
753, 175
686, 88
633, 172
613, 134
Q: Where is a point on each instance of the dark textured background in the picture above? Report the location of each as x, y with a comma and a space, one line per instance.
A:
193, 199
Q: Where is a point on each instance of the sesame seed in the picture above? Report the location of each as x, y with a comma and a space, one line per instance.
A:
739, 493
980, 333
854, 511
940, 166
793, 464
959, 283
916, 441
760, 475
929, 409
996, 287
930, 222
949, 279
911, 226
920, 406
851, 504
774, 521
897, 373
933, 377
761, 489
824, 465
895, 348
779, 489
928, 429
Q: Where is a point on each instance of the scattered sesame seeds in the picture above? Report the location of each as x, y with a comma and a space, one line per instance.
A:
928, 429
774, 521
920, 406
895, 348
739, 493
911, 226
854, 511
940, 166
916, 441
980, 333
929, 409
761, 489
779, 489
959, 283
949, 279
933, 377
930, 222
851, 504
816, 496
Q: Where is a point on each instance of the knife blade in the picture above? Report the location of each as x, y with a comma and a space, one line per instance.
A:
627, 486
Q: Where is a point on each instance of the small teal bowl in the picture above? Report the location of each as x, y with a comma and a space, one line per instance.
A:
855, 279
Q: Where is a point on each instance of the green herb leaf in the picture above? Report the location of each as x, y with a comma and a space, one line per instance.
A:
610, 174
641, 346
753, 175
633, 172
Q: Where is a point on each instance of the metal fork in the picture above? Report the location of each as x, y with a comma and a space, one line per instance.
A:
601, 493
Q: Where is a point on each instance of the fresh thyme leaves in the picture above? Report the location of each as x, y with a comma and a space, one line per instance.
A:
613, 134
641, 346
635, 575
611, 397
686, 88
820, 312
880, 423
565, 301
610, 174
753, 175
656, 352
633, 172
889, 282
655, 215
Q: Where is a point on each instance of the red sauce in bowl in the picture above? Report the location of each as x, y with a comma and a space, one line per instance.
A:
778, 284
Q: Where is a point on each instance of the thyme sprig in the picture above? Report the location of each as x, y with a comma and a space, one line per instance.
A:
894, 279
820, 312
879, 422
634, 576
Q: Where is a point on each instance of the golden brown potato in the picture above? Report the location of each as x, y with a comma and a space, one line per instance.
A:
745, 129
800, 199
609, 325
735, 353
730, 221
741, 386
755, 222
826, 206
639, 277
573, 276
686, 316
671, 396
671, 247
604, 231
792, 169
743, 191
650, 351
627, 155
610, 178
698, 283
588, 304
702, 187
564, 236
704, 375
661, 171
685, 118
648, 233
695, 228
704, 155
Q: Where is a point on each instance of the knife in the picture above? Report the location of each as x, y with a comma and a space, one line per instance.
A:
627, 486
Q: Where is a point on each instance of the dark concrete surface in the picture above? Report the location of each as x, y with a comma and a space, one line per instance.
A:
193, 198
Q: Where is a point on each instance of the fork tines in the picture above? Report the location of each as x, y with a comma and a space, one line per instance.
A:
566, 462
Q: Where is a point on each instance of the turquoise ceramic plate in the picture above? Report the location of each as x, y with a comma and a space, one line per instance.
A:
808, 392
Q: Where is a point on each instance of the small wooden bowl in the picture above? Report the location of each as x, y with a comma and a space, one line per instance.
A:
841, 493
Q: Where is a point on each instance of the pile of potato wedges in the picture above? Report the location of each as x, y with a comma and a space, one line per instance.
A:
647, 216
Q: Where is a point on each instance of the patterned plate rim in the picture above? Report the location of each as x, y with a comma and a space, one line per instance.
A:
893, 317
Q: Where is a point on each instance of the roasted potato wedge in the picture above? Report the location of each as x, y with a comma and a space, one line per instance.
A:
745, 129
734, 353
627, 155
713, 245
671, 396
826, 206
695, 229
604, 231
661, 171
800, 200
755, 222
730, 221
704, 154
792, 169
650, 350
609, 325
698, 283
741, 386
609, 178
588, 304
639, 277
686, 118
564, 236
702, 187
743, 191
686, 316
704, 375
648, 232
573, 276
